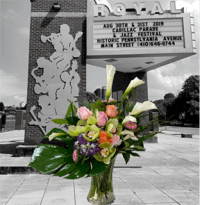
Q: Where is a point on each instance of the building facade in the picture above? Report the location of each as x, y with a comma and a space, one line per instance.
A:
65, 34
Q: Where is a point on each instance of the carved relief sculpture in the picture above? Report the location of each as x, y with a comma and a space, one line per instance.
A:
58, 84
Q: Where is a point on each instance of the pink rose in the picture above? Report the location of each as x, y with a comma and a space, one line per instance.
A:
102, 119
116, 140
74, 155
83, 113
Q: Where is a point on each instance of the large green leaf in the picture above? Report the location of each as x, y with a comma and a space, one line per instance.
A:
80, 171
97, 168
70, 166
48, 158
66, 140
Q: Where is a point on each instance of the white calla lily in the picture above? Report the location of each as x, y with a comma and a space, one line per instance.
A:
129, 135
55, 135
134, 83
110, 76
141, 107
129, 118
52, 136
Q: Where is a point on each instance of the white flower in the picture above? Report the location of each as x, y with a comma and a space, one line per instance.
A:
129, 118
141, 107
92, 146
129, 135
134, 83
110, 76
83, 146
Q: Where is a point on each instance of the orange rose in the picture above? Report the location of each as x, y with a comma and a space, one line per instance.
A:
103, 137
111, 111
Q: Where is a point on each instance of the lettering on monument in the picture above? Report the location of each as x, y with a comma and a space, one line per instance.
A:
58, 84
138, 33
103, 8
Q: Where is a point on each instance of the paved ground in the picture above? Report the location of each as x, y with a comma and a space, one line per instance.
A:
168, 175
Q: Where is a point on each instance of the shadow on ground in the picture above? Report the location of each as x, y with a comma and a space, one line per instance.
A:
9, 148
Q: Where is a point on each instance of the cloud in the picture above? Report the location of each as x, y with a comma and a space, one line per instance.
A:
159, 83
10, 85
18, 98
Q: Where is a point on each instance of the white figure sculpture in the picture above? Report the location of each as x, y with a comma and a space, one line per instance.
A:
58, 83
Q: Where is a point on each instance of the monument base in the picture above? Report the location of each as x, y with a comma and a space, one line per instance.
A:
18, 170
186, 135
24, 150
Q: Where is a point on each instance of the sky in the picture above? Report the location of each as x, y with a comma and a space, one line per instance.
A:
14, 44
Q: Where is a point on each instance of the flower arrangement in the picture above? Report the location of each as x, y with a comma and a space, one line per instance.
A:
97, 133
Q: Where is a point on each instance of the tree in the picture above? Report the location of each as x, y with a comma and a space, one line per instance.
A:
161, 110
91, 97
169, 102
166, 108
2, 106
169, 96
187, 102
161, 107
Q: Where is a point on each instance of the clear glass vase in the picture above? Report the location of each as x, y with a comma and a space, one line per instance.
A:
101, 188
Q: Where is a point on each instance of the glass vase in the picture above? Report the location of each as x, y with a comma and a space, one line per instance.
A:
101, 188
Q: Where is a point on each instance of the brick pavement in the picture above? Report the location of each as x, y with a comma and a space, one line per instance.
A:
166, 174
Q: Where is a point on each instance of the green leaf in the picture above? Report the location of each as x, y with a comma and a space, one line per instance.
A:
131, 108
133, 94
72, 120
147, 136
75, 108
48, 158
60, 121
133, 154
68, 141
80, 171
126, 157
127, 107
69, 110
97, 168
72, 109
81, 122
111, 103
87, 104
69, 167
100, 106
138, 148
54, 130
99, 103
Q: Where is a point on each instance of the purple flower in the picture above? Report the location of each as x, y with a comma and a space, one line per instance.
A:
84, 147
81, 139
